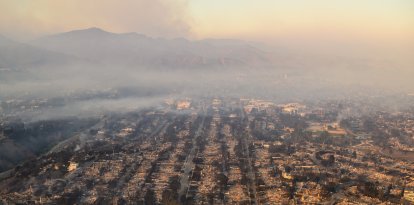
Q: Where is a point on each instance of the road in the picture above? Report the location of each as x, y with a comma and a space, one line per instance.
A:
189, 165
82, 136
251, 175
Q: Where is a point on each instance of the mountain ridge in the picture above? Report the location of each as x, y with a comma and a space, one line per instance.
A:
21, 55
138, 49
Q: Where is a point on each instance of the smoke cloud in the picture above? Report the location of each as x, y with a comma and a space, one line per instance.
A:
26, 18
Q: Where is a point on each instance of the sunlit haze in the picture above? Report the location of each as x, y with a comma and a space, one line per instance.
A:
384, 20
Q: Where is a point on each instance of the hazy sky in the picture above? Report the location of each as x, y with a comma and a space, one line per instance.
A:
383, 20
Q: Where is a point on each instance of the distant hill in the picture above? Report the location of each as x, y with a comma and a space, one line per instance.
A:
137, 49
20, 55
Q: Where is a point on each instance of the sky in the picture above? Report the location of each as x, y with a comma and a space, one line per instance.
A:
364, 19
386, 21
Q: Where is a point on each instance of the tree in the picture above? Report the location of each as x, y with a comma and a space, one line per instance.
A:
354, 155
223, 179
169, 198
370, 189
150, 197
331, 160
388, 191
175, 183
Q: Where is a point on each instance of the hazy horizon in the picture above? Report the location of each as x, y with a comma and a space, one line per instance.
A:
277, 50
387, 21
381, 29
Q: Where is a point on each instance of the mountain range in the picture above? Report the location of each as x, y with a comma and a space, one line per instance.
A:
129, 49
20, 55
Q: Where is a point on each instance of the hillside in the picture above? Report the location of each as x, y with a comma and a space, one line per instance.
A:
137, 49
19, 55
